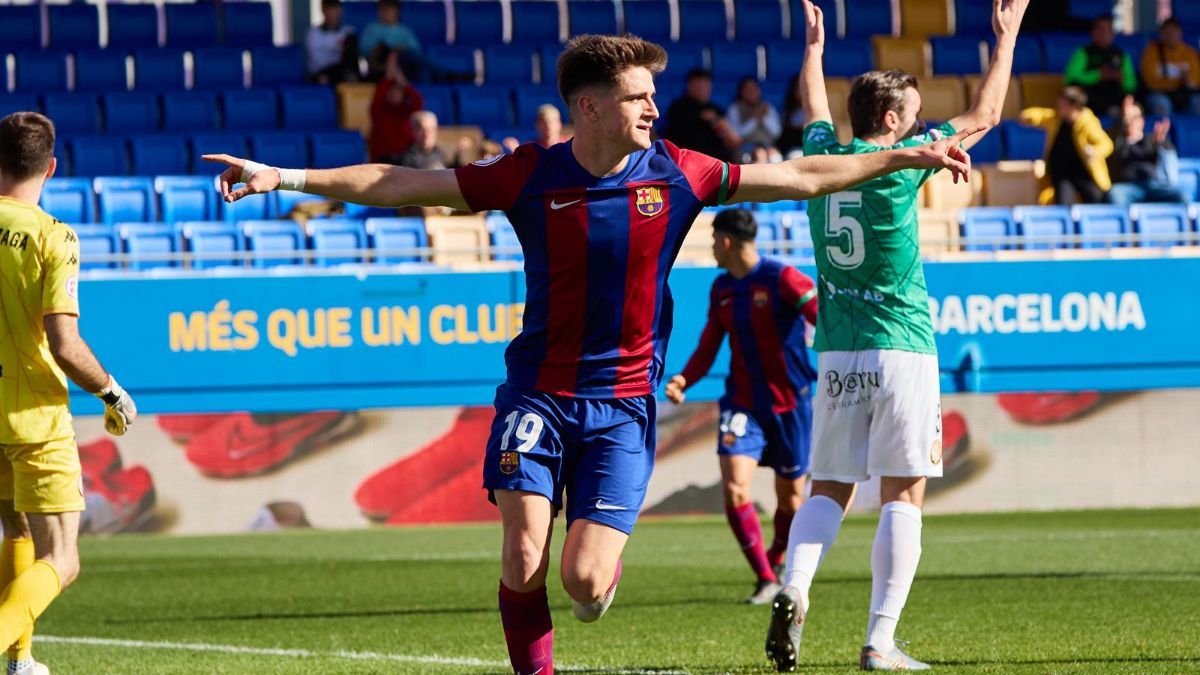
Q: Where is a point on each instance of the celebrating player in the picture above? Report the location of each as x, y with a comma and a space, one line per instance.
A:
877, 409
600, 219
40, 476
766, 412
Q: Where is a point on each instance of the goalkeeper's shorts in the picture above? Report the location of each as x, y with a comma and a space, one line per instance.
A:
42, 477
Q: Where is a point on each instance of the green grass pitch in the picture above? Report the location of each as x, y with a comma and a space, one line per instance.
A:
1078, 592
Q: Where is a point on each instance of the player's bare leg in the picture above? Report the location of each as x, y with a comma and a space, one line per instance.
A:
737, 472
894, 558
55, 543
789, 495
591, 567
17, 555
527, 520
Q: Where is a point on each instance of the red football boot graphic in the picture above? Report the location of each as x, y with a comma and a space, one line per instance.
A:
242, 444
99, 457
118, 501
956, 441
1048, 407
181, 428
457, 499
399, 484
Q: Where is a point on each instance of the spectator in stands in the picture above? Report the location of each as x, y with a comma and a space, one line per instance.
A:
1103, 70
332, 47
1076, 150
424, 152
1171, 71
394, 103
695, 123
549, 126
755, 120
388, 36
1140, 163
792, 136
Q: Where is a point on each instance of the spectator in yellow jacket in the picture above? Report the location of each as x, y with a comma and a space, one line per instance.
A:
1171, 71
1076, 149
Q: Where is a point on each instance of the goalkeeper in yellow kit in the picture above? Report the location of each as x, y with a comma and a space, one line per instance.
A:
41, 485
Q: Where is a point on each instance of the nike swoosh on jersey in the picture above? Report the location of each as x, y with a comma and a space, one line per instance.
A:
554, 206
601, 506
789, 469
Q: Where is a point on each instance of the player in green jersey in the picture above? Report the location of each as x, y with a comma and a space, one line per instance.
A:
877, 409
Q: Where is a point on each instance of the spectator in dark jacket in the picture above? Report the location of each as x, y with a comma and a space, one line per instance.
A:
1103, 70
394, 103
695, 123
1138, 161
424, 152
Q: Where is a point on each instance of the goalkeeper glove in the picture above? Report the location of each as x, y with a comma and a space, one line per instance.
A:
119, 408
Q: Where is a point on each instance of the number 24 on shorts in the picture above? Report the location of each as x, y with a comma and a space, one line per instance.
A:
527, 429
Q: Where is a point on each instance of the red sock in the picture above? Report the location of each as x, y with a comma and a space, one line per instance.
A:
744, 521
528, 630
778, 550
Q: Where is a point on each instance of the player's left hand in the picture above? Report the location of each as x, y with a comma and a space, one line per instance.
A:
948, 153
262, 181
119, 409
1007, 16
675, 389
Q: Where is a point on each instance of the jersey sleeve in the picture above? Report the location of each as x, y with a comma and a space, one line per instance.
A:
937, 133
799, 292
496, 182
710, 343
60, 280
820, 138
712, 180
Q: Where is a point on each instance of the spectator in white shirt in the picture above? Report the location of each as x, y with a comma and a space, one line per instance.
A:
755, 120
332, 47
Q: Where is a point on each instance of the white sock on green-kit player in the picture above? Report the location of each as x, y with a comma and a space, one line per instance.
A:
813, 531
894, 558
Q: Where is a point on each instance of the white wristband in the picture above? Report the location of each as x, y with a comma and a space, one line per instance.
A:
251, 168
292, 179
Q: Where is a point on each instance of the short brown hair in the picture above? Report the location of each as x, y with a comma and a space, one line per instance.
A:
1076, 96
26, 145
872, 95
591, 60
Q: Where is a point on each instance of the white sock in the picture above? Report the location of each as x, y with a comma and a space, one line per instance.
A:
813, 530
15, 666
894, 559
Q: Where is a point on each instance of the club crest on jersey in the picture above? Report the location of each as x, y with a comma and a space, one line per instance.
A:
728, 439
509, 462
935, 452
649, 201
761, 298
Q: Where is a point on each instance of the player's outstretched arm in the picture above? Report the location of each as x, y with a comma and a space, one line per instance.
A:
812, 73
809, 177
370, 184
75, 357
989, 100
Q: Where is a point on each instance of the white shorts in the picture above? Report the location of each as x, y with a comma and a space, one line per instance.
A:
877, 413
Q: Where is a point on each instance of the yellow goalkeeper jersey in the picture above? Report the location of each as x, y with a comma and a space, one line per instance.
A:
39, 275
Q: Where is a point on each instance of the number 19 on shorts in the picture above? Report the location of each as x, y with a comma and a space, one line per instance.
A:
527, 428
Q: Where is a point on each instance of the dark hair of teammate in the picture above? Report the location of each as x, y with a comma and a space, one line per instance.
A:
598, 60
26, 145
737, 223
872, 95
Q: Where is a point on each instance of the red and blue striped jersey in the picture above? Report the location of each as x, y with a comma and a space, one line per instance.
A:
764, 314
597, 255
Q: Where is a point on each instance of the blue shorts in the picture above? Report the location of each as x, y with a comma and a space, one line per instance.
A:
778, 440
599, 451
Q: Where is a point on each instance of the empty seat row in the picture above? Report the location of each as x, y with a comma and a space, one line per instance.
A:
108, 70
130, 26
1084, 226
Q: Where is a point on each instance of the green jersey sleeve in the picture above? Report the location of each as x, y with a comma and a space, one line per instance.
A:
820, 138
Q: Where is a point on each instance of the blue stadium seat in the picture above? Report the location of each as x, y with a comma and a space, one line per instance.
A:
982, 226
74, 27
799, 236
1188, 14
308, 108
682, 57
192, 111
11, 103
1028, 57
591, 16
337, 148
215, 143
1043, 227
426, 19
150, 245
130, 112
391, 235
1022, 142
863, 18
1133, 44
439, 100
848, 58
989, 149
102, 70
731, 61
484, 106
158, 70
501, 235
1090, 9
782, 205
360, 13
212, 244
160, 154
20, 27
529, 99
277, 66
954, 55
248, 24
279, 149
478, 22
548, 57
1156, 223
969, 20
95, 243
770, 232
271, 241
219, 68
98, 156
250, 109
126, 200
283, 201
362, 212
1100, 224
334, 238
71, 200
758, 20
702, 21
42, 71
784, 60
509, 64
650, 19
132, 26
452, 58
1185, 130
534, 22
1189, 179
775, 93
73, 113
187, 198
191, 25
1058, 48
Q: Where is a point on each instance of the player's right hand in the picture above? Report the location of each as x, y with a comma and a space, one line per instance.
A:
948, 154
814, 24
262, 181
675, 389
119, 409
